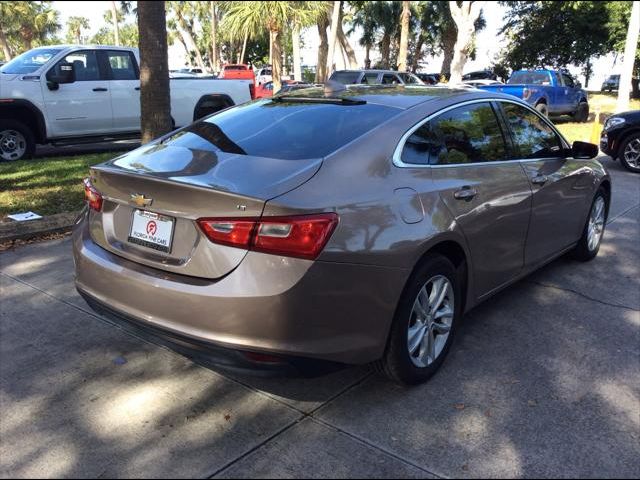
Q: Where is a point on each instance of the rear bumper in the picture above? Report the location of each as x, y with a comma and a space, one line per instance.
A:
281, 306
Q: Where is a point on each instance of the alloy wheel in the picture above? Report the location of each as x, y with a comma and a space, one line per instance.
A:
430, 321
632, 153
596, 224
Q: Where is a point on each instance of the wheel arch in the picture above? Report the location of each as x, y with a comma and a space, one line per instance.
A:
208, 104
25, 112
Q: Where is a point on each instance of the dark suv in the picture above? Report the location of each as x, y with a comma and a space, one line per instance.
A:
375, 77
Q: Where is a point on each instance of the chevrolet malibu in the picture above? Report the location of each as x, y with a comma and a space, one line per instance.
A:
334, 226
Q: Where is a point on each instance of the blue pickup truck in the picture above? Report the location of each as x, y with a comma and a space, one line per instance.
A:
551, 92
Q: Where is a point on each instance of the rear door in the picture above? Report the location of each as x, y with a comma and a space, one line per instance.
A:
124, 83
560, 186
82, 107
488, 195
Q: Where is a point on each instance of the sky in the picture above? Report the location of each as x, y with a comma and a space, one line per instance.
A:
488, 42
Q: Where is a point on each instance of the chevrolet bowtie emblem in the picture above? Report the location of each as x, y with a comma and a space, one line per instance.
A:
140, 200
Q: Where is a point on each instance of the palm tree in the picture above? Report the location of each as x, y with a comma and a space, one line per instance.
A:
365, 20
344, 41
26, 24
116, 27
465, 15
75, 25
214, 42
404, 37
311, 12
333, 36
249, 18
155, 104
184, 13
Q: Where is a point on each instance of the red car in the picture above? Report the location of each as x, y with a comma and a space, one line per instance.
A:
237, 72
266, 89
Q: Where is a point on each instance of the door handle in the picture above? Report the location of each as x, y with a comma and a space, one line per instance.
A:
100, 89
465, 193
136, 88
539, 180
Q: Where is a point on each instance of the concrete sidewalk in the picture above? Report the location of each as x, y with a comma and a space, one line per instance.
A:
544, 381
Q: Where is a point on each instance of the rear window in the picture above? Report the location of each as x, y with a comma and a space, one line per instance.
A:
235, 67
346, 78
287, 130
530, 78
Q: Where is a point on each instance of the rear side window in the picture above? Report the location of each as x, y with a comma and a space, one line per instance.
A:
390, 79
370, 78
122, 65
287, 130
467, 134
346, 78
533, 138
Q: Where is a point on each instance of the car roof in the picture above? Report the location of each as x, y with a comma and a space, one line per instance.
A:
400, 96
370, 70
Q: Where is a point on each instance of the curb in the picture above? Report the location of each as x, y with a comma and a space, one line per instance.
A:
57, 223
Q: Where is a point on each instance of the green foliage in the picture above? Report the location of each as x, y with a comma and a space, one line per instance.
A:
28, 24
555, 34
75, 25
128, 35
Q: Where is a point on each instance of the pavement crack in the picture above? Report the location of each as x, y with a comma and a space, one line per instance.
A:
592, 299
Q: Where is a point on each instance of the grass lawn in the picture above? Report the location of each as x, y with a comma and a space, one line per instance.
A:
45, 185
605, 103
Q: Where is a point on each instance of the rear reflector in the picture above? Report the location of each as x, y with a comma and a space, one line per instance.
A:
303, 236
92, 196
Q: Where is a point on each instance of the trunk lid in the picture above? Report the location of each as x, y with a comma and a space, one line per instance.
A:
181, 185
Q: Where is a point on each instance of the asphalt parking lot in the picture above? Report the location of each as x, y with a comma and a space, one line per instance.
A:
544, 381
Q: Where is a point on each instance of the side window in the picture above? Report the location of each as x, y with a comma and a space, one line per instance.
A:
85, 64
389, 79
533, 138
123, 66
467, 134
568, 81
370, 78
408, 79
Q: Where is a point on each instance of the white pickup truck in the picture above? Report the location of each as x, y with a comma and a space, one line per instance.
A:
84, 94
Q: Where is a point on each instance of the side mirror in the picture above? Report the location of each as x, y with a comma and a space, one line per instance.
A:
63, 72
584, 150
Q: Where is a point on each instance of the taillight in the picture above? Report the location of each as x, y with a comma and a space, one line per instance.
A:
252, 90
303, 236
92, 196
526, 93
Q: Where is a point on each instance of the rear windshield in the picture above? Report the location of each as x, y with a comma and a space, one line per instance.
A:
530, 78
285, 130
346, 78
235, 67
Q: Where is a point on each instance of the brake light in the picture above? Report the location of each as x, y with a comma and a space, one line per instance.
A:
252, 90
526, 93
92, 196
303, 236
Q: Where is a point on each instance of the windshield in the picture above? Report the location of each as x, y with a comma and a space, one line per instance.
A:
287, 130
530, 78
29, 61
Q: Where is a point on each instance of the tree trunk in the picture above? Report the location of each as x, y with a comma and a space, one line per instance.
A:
271, 48
6, 50
367, 56
629, 58
385, 49
464, 16
186, 32
276, 66
155, 103
333, 35
244, 48
417, 54
295, 40
116, 27
346, 46
448, 44
214, 43
404, 37
323, 50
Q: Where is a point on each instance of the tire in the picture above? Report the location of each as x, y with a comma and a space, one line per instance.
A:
582, 113
543, 109
586, 249
629, 153
17, 141
398, 363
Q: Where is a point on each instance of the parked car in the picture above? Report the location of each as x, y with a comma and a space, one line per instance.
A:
480, 75
237, 72
429, 78
75, 94
479, 83
264, 75
294, 85
620, 139
244, 236
375, 77
611, 83
551, 92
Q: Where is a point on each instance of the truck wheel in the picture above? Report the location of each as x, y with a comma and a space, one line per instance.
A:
582, 113
542, 108
17, 141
